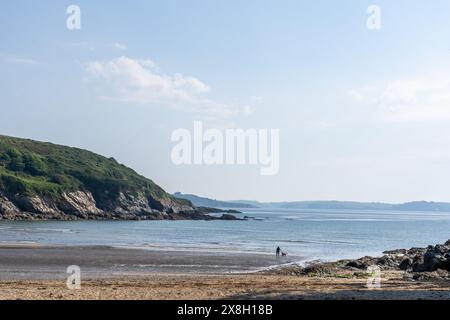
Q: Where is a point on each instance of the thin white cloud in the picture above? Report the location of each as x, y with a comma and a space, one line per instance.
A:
139, 82
407, 100
119, 46
93, 46
25, 61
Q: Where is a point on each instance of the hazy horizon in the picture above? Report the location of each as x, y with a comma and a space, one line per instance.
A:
307, 200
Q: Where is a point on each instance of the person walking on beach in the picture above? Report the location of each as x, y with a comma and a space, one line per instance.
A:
278, 251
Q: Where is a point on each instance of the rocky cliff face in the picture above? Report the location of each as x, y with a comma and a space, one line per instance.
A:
82, 205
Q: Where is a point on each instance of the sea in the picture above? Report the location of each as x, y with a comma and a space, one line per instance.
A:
325, 235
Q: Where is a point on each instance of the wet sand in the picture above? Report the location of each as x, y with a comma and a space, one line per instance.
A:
36, 262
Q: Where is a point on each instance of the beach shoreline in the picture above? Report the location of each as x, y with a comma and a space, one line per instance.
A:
38, 271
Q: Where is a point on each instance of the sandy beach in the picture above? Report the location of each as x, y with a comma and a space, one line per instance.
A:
39, 272
204, 287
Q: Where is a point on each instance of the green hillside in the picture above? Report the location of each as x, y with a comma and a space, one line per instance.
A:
29, 167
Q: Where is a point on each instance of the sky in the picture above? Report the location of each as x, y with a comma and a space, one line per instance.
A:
363, 114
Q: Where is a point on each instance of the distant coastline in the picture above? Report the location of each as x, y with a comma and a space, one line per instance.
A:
320, 204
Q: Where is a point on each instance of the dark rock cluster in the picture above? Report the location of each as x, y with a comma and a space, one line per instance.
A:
430, 263
427, 259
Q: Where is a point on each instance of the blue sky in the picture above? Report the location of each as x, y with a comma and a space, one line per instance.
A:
363, 115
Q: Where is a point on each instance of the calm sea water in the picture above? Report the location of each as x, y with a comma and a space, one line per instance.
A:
312, 234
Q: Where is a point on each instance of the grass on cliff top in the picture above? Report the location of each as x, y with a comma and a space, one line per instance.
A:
32, 167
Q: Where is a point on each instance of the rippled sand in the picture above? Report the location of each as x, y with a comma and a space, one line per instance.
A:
194, 287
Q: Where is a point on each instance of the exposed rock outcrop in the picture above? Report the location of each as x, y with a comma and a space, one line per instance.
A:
7, 207
427, 259
78, 201
431, 263
82, 205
